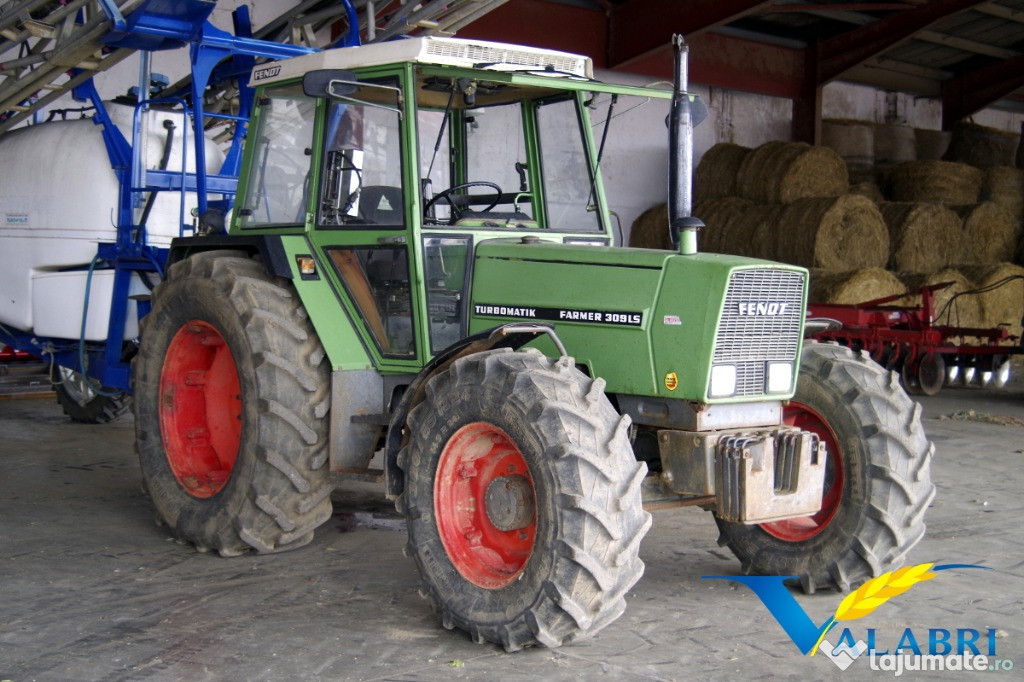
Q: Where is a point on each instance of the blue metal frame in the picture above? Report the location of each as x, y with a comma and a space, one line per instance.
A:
215, 55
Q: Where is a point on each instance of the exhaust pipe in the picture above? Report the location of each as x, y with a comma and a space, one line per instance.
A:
682, 226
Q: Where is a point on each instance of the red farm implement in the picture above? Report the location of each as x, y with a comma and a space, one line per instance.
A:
908, 339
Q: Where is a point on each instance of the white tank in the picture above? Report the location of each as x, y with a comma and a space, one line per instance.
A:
58, 199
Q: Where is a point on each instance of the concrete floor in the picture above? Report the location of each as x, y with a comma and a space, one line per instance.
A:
92, 589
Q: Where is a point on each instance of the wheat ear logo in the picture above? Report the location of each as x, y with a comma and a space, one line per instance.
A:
874, 593
807, 636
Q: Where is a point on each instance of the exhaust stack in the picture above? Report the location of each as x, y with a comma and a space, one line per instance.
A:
683, 226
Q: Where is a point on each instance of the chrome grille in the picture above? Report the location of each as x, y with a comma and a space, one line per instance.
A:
750, 340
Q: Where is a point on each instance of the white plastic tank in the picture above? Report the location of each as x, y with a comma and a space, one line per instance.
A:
58, 200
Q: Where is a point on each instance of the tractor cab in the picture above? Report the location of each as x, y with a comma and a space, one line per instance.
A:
398, 159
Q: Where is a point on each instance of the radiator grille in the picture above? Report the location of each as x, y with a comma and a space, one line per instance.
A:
761, 321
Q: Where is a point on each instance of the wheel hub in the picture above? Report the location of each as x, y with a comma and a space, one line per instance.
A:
509, 502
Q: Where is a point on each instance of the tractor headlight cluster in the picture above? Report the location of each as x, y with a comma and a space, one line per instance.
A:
723, 381
780, 377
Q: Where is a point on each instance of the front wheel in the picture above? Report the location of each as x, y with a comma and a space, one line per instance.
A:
522, 499
877, 483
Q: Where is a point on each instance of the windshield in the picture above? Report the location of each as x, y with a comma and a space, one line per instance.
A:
475, 141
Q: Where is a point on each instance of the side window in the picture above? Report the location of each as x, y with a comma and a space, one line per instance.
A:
278, 184
377, 280
444, 261
567, 174
361, 181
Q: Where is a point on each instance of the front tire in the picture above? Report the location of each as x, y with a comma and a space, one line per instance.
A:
522, 499
231, 401
877, 485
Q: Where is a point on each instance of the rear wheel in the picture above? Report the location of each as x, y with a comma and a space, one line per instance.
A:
82, 403
522, 499
877, 483
231, 398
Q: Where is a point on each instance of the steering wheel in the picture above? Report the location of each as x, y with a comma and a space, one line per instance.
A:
447, 196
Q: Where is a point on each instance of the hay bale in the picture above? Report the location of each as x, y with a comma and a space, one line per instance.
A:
1003, 304
1005, 186
650, 229
941, 182
990, 233
868, 189
783, 172
980, 146
894, 144
716, 173
931, 144
1020, 148
922, 237
965, 310
852, 140
739, 227
855, 286
837, 233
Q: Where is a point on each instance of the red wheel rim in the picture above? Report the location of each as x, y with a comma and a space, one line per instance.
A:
485, 505
200, 409
806, 527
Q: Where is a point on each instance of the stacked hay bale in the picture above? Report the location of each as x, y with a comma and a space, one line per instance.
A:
964, 311
989, 233
716, 174
1001, 294
940, 182
922, 237
782, 172
854, 286
981, 147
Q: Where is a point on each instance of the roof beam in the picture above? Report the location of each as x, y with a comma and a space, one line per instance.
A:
1002, 12
839, 54
639, 26
972, 91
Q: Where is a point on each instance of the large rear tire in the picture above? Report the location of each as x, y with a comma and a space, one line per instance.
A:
231, 401
877, 482
82, 404
522, 499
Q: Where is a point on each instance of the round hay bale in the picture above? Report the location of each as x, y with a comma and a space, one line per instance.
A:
852, 140
783, 172
868, 189
1002, 304
837, 233
855, 286
990, 233
980, 146
965, 311
716, 173
739, 227
894, 143
650, 229
931, 144
1020, 148
1005, 186
940, 182
922, 237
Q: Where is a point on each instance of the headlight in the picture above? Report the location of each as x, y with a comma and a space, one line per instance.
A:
780, 377
723, 381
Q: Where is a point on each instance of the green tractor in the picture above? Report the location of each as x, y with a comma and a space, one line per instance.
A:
420, 285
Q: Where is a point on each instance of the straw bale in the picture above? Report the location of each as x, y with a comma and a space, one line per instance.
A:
1005, 186
981, 146
931, 144
740, 227
1020, 148
990, 233
922, 237
894, 144
1002, 305
854, 286
650, 229
716, 173
868, 189
941, 182
852, 140
964, 312
783, 172
836, 233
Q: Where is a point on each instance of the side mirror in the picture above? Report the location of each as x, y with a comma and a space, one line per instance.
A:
329, 83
